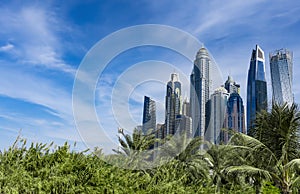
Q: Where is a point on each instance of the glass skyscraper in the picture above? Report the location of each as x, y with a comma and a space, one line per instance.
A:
256, 86
149, 115
281, 67
173, 103
201, 83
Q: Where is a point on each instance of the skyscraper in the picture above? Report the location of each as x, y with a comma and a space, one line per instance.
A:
201, 83
235, 113
281, 66
149, 115
218, 109
256, 86
173, 103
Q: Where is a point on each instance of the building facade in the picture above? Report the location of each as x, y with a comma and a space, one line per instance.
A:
281, 67
201, 83
149, 115
256, 87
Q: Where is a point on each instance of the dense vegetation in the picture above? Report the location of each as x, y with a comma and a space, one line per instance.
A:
269, 162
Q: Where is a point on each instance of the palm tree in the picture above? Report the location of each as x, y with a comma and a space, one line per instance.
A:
218, 158
135, 144
262, 164
184, 152
275, 149
279, 128
135, 151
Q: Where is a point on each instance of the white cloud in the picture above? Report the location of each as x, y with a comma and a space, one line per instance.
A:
6, 47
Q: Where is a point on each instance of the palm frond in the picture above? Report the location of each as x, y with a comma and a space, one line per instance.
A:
293, 165
251, 171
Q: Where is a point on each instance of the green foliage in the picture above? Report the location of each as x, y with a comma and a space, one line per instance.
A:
42, 168
268, 188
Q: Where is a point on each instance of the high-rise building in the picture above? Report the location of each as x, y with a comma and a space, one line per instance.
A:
231, 86
256, 87
235, 116
200, 91
218, 110
173, 103
235, 113
281, 66
149, 115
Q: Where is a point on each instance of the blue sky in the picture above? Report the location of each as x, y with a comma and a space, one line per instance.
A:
43, 42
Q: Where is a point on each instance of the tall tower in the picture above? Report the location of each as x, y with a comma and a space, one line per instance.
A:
218, 109
256, 87
173, 103
281, 66
201, 83
149, 115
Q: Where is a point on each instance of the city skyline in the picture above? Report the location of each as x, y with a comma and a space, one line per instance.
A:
43, 43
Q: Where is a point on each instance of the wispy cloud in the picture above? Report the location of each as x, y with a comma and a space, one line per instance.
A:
36, 90
34, 36
6, 47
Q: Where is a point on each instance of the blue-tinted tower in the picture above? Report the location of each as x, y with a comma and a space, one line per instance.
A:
256, 87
